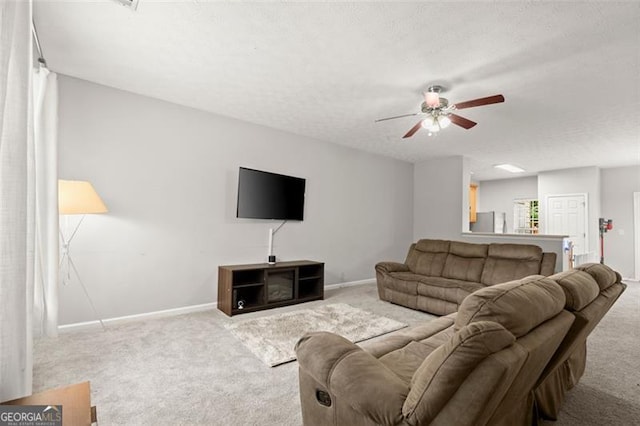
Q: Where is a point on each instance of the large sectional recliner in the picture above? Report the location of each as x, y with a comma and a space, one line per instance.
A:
507, 357
438, 274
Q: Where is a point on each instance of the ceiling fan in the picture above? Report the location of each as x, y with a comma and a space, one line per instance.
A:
439, 114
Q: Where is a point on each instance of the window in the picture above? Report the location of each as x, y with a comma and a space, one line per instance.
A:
525, 216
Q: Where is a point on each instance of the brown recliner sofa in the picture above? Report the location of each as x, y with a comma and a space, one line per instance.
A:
476, 367
438, 274
590, 291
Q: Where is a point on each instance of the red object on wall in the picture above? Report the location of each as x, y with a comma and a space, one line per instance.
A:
605, 225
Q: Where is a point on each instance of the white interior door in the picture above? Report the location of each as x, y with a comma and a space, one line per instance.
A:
566, 215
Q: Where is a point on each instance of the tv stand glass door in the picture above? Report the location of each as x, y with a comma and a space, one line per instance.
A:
280, 284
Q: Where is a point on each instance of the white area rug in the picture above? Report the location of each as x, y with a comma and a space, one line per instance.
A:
273, 338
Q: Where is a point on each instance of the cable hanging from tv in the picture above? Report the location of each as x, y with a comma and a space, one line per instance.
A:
271, 258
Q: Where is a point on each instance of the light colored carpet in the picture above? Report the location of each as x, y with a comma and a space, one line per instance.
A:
273, 338
190, 370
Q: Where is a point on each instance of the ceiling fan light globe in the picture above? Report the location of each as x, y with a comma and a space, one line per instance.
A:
431, 124
444, 121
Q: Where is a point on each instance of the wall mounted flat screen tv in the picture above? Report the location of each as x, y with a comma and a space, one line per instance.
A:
265, 195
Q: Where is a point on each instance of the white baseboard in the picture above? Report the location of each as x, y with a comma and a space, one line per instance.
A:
95, 325
92, 325
349, 284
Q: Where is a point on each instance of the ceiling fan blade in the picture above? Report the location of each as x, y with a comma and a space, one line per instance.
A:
461, 121
413, 130
495, 99
397, 116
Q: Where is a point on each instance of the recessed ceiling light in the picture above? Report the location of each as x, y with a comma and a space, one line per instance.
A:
510, 168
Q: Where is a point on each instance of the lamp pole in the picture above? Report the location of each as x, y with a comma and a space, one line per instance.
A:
77, 197
66, 254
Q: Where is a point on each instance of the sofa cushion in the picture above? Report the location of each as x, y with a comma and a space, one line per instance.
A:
579, 288
401, 338
465, 261
507, 262
498, 271
433, 246
604, 276
440, 338
548, 264
446, 288
428, 256
515, 251
405, 361
443, 371
518, 305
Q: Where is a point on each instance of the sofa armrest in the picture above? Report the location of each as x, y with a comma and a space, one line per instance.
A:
353, 376
388, 267
618, 277
548, 264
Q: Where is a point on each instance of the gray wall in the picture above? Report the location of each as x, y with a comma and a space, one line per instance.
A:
168, 175
498, 195
441, 198
618, 186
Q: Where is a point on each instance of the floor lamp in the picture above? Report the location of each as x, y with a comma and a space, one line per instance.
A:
77, 197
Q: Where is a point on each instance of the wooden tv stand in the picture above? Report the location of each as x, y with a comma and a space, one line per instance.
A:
249, 288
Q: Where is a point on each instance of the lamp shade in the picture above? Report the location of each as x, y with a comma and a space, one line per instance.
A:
78, 197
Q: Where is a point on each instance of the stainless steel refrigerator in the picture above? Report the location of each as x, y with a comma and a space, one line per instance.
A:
494, 222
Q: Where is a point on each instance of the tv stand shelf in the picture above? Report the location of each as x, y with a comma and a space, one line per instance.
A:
249, 288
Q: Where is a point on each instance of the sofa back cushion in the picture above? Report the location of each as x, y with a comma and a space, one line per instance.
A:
519, 306
444, 370
548, 264
508, 262
427, 257
604, 276
579, 288
465, 261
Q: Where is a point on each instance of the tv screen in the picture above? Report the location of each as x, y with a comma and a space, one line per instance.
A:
265, 195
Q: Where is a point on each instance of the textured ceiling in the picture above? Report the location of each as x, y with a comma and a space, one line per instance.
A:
570, 71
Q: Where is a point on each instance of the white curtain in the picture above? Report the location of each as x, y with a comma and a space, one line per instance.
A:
45, 129
17, 200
